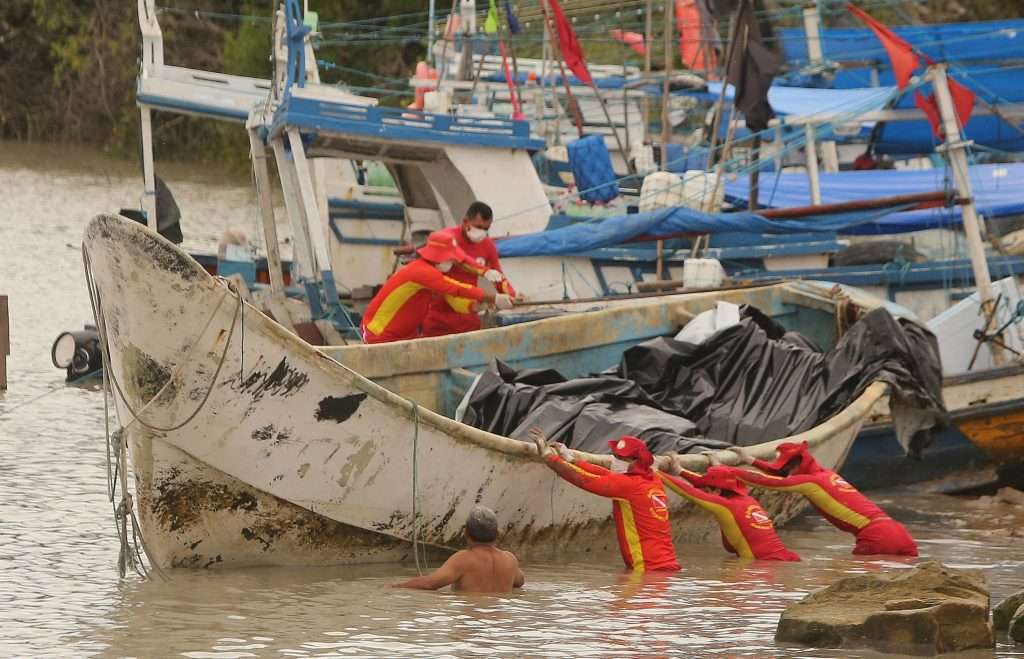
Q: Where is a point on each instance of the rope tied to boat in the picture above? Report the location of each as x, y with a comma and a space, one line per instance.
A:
124, 511
415, 489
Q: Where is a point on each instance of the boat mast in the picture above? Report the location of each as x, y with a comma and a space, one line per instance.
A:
955, 148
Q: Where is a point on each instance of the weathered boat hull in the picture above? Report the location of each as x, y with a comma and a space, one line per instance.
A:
987, 413
250, 447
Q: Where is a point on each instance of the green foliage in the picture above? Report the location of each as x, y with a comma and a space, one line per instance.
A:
68, 68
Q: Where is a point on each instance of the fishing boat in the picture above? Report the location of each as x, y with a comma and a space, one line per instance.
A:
249, 446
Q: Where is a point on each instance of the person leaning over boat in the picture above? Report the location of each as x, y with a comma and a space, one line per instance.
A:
796, 470
471, 236
639, 502
480, 568
397, 311
747, 530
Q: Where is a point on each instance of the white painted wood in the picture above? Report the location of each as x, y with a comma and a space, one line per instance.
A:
811, 150
148, 176
258, 153
304, 260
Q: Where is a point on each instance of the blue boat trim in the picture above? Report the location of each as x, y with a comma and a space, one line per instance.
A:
329, 119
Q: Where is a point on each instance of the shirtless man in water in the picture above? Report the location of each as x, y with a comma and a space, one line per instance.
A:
482, 568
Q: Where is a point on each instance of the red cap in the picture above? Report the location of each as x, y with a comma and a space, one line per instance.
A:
787, 451
628, 447
721, 477
440, 248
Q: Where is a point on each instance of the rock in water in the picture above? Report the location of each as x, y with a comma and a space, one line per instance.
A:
927, 610
1017, 625
1003, 612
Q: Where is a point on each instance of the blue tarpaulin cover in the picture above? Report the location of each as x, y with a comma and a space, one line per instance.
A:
943, 42
997, 192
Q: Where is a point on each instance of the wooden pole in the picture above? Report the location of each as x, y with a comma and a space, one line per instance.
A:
260, 170
666, 88
755, 173
666, 121
648, 35
955, 148
5, 340
811, 151
570, 100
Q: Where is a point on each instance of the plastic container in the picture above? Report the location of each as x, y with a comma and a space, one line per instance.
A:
702, 273
692, 190
591, 166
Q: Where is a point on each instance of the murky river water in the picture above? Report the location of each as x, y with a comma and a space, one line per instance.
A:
61, 596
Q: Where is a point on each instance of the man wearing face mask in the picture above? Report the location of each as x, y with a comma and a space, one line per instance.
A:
639, 502
397, 311
471, 236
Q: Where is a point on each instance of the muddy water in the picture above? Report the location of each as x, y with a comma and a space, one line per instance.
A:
61, 595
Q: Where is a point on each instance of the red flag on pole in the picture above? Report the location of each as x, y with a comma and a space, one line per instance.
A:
572, 52
963, 104
901, 53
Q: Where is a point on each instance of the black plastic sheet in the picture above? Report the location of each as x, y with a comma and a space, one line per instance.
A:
746, 384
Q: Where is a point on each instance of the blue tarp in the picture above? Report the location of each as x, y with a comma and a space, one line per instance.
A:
944, 42
804, 101
998, 192
997, 188
606, 232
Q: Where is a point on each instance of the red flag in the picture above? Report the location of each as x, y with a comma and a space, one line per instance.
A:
963, 105
572, 52
634, 40
695, 48
901, 54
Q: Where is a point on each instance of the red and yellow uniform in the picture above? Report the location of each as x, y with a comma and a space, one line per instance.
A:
747, 530
444, 317
398, 309
838, 501
640, 508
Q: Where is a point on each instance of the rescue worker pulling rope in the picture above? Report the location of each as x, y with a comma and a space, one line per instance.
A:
639, 502
796, 470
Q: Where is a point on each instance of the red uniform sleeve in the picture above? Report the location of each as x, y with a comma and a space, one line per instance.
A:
505, 286
687, 490
438, 283
609, 485
764, 466
597, 470
769, 481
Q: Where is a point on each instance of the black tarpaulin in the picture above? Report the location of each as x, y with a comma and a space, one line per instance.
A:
746, 384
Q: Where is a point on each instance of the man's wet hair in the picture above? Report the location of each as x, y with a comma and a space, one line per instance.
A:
481, 209
482, 524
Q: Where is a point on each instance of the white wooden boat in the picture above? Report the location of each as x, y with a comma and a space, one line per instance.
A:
248, 446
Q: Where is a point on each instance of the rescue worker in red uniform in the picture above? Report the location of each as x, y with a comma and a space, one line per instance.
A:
796, 470
639, 502
471, 236
397, 311
747, 530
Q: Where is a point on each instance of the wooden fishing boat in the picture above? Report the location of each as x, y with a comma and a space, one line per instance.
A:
249, 446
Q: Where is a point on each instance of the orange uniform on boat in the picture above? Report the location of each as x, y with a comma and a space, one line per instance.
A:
471, 237
838, 501
398, 309
747, 530
639, 503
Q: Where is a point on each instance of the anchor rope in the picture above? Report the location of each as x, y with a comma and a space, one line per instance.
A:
124, 512
415, 488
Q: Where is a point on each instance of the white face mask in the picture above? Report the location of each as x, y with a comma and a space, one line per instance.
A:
445, 266
619, 466
476, 235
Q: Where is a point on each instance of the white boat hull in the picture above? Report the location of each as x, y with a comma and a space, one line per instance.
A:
250, 447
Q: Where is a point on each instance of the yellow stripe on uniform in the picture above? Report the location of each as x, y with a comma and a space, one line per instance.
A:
392, 304
825, 502
459, 304
632, 535
723, 515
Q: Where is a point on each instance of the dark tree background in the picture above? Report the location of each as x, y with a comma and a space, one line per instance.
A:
68, 67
